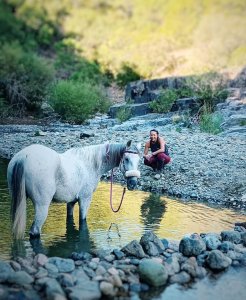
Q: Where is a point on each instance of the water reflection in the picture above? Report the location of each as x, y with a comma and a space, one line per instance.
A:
140, 212
152, 211
74, 240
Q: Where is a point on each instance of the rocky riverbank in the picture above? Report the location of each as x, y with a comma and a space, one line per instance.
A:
204, 167
137, 269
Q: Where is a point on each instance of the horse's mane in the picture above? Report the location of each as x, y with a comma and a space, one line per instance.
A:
96, 155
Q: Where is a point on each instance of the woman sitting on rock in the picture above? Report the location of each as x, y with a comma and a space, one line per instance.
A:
159, 156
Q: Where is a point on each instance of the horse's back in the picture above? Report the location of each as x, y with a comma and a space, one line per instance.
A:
38, 162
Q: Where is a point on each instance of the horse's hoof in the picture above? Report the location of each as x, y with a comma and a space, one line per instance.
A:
34, 235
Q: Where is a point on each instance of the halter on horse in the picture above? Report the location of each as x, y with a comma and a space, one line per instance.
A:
132, 176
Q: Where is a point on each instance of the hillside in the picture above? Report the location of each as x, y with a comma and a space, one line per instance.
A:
100, 41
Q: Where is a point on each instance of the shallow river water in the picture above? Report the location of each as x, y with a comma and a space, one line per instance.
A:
141, 211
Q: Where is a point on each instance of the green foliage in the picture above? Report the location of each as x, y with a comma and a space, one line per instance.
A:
243, 123
209, 89
10, 27
73, 66
164, 102
154, 38
124, 114
126, 75
24, 77
211, 123
76, 101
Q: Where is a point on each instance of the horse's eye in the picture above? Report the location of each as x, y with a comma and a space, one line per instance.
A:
126, 159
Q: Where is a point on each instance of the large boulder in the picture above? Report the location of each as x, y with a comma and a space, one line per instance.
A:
212, 241
5, 271
151, 244
63, 265
134, 249
152, 272
192, 246
216, 260
231, 236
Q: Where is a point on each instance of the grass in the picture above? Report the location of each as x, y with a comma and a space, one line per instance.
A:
211, 123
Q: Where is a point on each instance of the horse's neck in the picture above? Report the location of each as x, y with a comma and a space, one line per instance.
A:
103, 157
112, 157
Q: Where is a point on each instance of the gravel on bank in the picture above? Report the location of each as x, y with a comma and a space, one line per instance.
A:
204, 167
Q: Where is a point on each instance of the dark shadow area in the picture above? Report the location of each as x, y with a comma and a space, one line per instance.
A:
153, 210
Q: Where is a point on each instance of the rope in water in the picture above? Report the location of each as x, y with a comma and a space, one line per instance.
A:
111, 193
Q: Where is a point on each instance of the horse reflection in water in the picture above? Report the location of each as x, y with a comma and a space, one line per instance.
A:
152, 211
75, 240
42, 174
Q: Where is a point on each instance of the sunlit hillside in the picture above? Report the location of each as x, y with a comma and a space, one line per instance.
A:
155, 37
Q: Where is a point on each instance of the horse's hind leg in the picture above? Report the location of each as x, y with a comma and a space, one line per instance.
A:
84, 204
70, 208
41, 212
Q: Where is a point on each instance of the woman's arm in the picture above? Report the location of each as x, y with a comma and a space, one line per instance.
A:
146, 149
162, 147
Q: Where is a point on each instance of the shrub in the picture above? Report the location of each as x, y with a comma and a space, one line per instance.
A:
123, 114
164, 102
211, 123
76, 102
24, 77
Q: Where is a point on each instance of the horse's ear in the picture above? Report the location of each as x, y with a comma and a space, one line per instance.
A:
128, 144
139, 146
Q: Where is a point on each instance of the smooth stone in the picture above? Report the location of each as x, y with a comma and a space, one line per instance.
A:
5, 271
40, 260
20, 278
231, 236
86, 290
212, 241
172, 265
226, 246
118, 254
192, 246
42, 272
218, 261
152, 272
52, 288
107, 289
181, 278
151, 244
63, 264
134, 249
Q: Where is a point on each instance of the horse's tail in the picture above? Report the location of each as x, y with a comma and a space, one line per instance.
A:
18, 207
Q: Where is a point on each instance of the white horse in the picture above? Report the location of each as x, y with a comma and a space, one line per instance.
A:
42, 174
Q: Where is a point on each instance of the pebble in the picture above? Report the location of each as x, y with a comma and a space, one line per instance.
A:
60, 279
197, 158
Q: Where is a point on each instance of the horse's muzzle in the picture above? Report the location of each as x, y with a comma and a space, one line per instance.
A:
131, 183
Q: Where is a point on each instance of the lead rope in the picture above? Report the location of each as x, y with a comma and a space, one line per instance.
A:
111, 193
